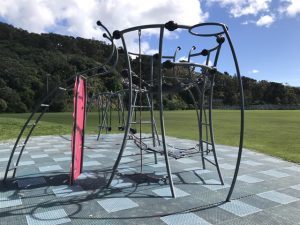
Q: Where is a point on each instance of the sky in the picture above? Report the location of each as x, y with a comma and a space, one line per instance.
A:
265, 33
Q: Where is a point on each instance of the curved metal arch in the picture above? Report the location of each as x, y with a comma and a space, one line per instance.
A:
129, 115
110, 38
142, 27
206, 24
51, 96
16, 145
161, 113
201, 95
118, 33
242, 116
185, 64
217, 48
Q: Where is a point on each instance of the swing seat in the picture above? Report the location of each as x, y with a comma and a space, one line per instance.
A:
132, 130
121, 128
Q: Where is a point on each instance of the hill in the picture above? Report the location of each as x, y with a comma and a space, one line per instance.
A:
32, 63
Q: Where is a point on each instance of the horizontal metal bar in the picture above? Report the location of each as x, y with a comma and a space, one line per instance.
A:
142, 106
19, 146
206, 142
142, 122
143, 27
209, 161
168, 57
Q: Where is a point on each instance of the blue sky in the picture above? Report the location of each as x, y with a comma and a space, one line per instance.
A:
272, 53
265, 33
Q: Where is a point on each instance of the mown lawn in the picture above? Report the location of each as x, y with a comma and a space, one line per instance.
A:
275, 132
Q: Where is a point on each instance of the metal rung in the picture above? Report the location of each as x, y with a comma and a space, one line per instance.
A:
44, 105
206, 142
147, 138
19, 146
142, 122
31, 124
143, 138
210, 161
158, 149
143, 106
63, 89
15, 167
206, 151
206, 124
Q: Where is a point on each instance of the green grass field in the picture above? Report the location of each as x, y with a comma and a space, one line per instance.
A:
273, 132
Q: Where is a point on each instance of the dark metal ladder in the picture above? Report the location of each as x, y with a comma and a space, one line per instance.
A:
207, 140
31, 123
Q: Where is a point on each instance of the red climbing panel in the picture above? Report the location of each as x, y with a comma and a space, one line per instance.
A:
78, 128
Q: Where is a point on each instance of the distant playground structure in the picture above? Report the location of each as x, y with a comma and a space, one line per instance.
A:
146, 78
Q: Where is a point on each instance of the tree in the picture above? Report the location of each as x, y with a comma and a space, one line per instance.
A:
3, 105
275, 93
28, 59
291, 96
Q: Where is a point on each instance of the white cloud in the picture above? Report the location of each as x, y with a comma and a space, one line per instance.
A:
266, 20
78, 17
291, 7
27, 14
254, 71
238, 8
246, 22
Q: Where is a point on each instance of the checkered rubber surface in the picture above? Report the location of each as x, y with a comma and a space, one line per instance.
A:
267, 189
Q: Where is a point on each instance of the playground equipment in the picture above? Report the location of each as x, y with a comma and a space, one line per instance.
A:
148, 77
202, 83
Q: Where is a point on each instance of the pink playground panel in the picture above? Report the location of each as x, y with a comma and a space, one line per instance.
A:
78, 128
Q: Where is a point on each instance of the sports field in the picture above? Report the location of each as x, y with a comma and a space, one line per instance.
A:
275, 132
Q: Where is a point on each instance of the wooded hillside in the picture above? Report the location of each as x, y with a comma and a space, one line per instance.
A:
28, 60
